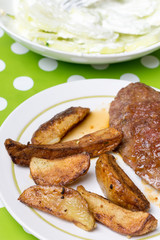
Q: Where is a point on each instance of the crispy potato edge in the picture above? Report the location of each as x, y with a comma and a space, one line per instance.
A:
62, 202
95, 144
58, 126
112, 217
61, 171
117, 186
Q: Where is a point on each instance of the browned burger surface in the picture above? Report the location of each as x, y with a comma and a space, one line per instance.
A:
136, 112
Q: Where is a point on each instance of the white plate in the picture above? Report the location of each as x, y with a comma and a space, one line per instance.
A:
9, 6
21, 124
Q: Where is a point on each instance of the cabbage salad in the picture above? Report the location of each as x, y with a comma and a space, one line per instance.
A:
105, 27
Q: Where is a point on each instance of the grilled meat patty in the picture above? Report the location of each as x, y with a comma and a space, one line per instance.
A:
136, 112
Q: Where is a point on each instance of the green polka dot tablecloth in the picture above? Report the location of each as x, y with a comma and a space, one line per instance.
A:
24, 73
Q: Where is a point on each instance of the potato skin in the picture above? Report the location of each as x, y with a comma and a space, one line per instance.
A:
60, 171
53, 130
117, 186
118, 219
94, 143
62, 202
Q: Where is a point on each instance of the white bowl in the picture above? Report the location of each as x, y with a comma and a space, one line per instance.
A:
9, 6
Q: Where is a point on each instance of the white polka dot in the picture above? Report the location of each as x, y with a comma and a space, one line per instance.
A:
75, 78
130, 77
48, 64
18, 48
23, 83
3, 103
150, 61
1, 204
1, 32
100, 67
2, 65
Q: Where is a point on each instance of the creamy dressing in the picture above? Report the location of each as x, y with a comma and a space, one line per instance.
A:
107, 26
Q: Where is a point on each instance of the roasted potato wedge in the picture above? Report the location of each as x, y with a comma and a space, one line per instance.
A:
117, 186
65, 203
61, 171
53, 130
95, 144
117, 218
